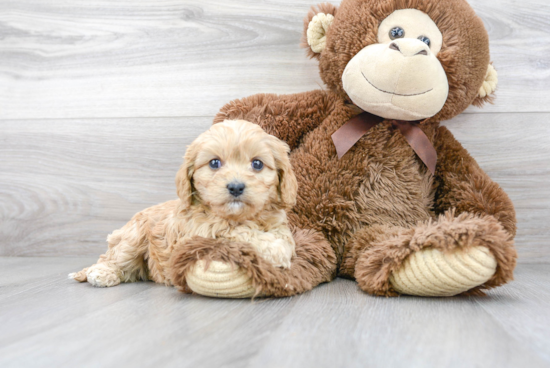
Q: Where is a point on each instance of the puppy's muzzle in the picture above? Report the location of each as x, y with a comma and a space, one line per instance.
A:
235, 188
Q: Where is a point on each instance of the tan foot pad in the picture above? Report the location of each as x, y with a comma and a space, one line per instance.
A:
431, 272
220, 281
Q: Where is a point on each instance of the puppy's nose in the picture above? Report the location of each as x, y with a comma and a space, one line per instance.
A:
235, 188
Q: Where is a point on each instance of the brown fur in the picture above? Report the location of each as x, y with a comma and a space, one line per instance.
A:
378, 253
464, 55
378, 204
325, 8
314, 263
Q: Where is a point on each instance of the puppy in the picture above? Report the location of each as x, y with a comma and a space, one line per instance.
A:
235, 183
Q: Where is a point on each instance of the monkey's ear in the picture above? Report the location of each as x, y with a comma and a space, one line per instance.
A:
488, 88
316, 25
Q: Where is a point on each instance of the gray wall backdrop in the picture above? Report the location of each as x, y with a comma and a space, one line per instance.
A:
99, 98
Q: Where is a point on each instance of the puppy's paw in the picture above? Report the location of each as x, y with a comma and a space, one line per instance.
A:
220, 280
79, 276
101, 275
278, 252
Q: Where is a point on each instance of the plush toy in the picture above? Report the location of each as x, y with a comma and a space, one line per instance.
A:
386, 195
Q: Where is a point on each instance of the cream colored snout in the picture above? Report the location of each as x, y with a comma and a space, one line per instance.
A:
401, 80
410, 47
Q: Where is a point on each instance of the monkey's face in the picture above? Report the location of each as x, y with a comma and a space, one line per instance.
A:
400, 77
403, 59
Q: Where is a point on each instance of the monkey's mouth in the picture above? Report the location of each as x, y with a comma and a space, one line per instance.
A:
393, 93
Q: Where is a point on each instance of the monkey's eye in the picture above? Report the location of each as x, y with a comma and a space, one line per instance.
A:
397, 32
257, 165
425, 39
215, 164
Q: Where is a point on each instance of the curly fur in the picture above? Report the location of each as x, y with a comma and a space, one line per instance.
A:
141, 250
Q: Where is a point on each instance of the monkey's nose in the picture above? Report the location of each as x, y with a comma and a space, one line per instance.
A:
235, 188
410, 47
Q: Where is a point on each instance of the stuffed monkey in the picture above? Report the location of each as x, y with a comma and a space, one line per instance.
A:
386, 196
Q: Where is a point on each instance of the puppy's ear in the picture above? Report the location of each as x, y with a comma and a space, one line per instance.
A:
184, 177
288, 186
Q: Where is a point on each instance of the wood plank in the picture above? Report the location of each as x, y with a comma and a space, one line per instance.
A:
139, 324
352, 329
514, 149
65, 323
66, 184
23, 274
519, 307
162, 58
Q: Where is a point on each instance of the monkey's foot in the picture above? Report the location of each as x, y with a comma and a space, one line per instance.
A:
236, 270
431, 272
220, 280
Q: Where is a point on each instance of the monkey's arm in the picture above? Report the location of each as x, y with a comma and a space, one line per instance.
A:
239, 271
288, 117
462, 185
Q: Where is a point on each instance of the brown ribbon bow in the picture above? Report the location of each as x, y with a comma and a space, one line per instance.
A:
346, 137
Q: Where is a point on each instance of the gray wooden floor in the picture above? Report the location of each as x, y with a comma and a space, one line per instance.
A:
98, 100
47, 320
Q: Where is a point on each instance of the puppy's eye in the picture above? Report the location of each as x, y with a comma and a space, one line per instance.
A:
425, 39
257, 165
215, 164
397, 32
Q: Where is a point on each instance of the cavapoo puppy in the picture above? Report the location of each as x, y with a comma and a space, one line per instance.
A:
235, 184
